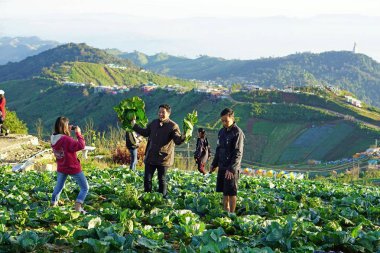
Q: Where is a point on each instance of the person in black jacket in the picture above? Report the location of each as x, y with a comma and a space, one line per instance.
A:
228, 155
202, 151
163, 135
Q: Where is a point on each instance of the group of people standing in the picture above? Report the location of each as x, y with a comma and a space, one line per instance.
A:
163, 134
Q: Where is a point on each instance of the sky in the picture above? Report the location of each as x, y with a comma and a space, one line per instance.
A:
239, 29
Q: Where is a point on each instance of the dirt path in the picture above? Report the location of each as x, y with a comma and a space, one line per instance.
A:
16, 148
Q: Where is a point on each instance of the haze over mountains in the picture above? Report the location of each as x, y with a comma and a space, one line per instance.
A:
14, 49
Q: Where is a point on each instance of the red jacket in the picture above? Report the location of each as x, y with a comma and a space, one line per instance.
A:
65, 148
2, 107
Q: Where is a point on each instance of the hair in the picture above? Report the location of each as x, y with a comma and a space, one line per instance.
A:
202, 132
167, 107
227, 111
62, 126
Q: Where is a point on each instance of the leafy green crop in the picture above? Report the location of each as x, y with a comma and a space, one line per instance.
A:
329, 216
129, 109
188, 125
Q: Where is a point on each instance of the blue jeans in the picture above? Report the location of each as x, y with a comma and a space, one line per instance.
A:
79, 178
133, 152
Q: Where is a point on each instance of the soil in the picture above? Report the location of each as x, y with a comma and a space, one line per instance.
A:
16, 148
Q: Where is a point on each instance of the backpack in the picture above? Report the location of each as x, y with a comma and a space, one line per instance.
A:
132, 140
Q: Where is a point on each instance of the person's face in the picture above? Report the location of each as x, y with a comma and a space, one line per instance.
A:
227, 121
163, 114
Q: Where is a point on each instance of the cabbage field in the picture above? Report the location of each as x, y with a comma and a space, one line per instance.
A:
273, 215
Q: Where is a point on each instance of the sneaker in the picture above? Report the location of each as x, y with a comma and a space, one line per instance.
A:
82, 211
7, 132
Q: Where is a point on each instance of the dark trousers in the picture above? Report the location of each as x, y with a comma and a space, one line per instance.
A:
149, 172
201, 168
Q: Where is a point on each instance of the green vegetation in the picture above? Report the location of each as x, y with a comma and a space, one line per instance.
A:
279, 215
188, 125
14, 124
320, 99
356, 73
100, 74
46, 100
32, 66
131, 109
284, 112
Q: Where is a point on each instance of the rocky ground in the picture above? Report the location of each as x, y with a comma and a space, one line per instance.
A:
16, 148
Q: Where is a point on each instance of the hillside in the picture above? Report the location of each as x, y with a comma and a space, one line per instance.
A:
356, 73
108, 75
288, 133
33, 65
14, 49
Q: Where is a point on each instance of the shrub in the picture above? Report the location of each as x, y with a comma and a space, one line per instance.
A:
121, 155
14, 124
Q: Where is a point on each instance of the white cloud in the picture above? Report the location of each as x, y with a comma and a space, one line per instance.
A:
231, 29
191, 8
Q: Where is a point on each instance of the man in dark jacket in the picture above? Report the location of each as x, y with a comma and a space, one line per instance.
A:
228, 155
163, 134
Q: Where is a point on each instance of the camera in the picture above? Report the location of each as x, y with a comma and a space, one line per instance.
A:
73, 127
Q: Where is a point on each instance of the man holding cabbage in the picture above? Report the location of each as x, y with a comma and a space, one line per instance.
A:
163, 134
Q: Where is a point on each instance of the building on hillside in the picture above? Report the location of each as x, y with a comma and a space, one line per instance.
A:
103, 89
252, 87
149, 87
372, 151
115, 66
353, 101
74, 84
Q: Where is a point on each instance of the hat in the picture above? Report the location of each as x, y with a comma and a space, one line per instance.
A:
2, 92
201, 130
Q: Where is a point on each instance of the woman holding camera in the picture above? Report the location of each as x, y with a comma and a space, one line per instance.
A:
65, 148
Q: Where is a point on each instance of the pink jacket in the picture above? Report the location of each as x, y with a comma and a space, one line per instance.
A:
65, 148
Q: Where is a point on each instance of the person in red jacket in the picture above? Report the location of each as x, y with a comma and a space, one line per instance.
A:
65, 148
3, 102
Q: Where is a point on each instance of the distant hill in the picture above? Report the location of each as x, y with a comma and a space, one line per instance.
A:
290, 131
356, 73
33, 65
109, 75
15, 49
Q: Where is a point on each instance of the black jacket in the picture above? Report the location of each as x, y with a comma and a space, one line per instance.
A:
202, 150
229, 150
132, 140
162, 139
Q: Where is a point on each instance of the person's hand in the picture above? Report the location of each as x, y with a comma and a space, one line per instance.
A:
77, 130
229, 175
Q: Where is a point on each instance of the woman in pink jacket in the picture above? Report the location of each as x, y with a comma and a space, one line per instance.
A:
65, 148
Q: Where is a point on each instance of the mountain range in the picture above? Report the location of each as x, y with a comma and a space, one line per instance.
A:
14, 49
280, 127
347, 70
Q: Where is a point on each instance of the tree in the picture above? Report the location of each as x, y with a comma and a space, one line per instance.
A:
236, 87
